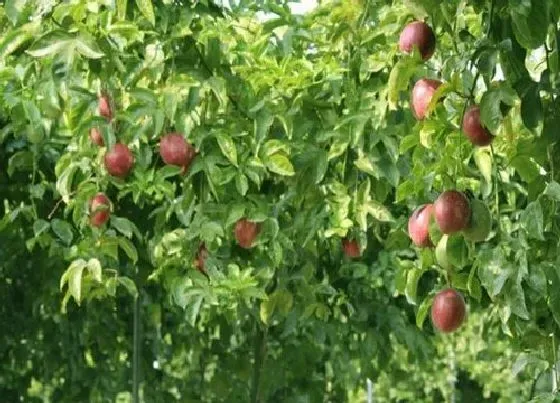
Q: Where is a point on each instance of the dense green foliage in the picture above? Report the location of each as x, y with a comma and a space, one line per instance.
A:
303, 124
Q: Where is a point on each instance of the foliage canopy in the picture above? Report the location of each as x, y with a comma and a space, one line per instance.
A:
302, 124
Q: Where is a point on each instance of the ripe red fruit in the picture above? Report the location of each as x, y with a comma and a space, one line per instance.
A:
104, 107
100, 209
175, 150
448, 310
119, 160
452, 211
422, 94
96, 137
419, 35
351, 248
419, 225
246, 232
473, 128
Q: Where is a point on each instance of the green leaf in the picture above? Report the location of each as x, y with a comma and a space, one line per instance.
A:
515, 297
379, 211
267, 309
40, 226
228, 147
13, 40
241, 184
211, 230
531, 104
236, 212
73, 276
529, 22
423, 310
412, 285
111, 286
128, 248
121, 9
493, 270
52, 43
94, 268
193, 309
526, 167
129, 284
63, 230
365, 164
552, 190
123, 225
275, 146
553, 275
483, 161
490, 105
457, 251
262, 124
399, 78
88, 48
321, 165
284, 301
169, 171
147, 10
21, 160
532, 220
64, 182
280, 164
14, 8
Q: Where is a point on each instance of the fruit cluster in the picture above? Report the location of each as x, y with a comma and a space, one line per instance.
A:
174, 150
453, 211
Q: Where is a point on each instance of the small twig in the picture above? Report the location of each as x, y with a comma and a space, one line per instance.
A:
57, 205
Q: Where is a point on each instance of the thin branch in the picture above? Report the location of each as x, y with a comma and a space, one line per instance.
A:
490, 17
55, 208
260, 355
136, 351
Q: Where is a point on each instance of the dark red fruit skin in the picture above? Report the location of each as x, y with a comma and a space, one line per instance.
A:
100, 209
246, 232
119, 160
351, 248
200, 258
419, 226
104, 107
473, 129
422, 94
452, 211
96, 137
448, 310
418, 34
175, 150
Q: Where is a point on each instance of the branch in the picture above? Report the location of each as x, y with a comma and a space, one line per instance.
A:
260, 355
